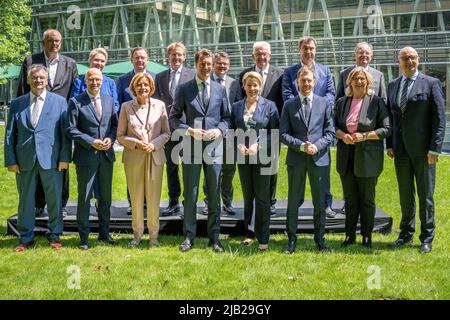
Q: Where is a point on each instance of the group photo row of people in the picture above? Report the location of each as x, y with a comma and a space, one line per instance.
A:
59, 117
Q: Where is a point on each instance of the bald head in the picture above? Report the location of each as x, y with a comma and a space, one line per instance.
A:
408, 61
51, 41
93, 80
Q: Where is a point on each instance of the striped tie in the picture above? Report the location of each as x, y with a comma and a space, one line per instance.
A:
404, 96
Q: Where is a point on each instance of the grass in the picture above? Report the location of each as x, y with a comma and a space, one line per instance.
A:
241, 273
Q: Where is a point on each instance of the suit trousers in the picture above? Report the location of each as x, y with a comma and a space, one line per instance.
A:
86, 175
191, 180
256, 190
296, 196
26, 185
173, 177
359, 196
144, 180
408, 169
40, 200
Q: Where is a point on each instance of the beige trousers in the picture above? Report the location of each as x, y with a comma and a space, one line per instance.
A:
144, 180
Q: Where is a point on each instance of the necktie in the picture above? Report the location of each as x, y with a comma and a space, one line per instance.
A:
219, 80
36, 111
404, 96
205, 95
306, 107
173, 83
98, 107
261, 72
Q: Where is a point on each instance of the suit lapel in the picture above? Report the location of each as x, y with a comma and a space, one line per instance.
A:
86, 100
195, 99
364, 108
46, 109
395, 91
59, 75
300, 110
105, 115
28, 111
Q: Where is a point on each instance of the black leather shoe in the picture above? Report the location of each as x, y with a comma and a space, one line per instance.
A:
186, 245
367, 242
229, 210
290, 248
401, 242
426, 247
329, 213
216, 245
107, 240
171, 210
349, 240
273, 210
322, 247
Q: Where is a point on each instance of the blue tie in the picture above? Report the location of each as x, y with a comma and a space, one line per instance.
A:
404, 96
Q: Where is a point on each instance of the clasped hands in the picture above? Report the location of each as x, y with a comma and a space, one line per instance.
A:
250, 151
102, 145
145, 146
201, 134
353, 138
310, 148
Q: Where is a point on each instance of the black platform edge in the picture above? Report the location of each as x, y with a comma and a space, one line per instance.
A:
120, 222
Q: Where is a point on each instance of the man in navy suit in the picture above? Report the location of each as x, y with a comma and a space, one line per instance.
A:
307, 129
166, 84
200, 112
139, 59
324, 87
221, 67
271, 90
36, 146
92, 124
62, 72
417, 109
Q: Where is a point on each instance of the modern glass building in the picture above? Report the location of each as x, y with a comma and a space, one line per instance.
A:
233, 26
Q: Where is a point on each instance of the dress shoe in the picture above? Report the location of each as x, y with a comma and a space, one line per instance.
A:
55, 243
426, 247
273, 210
40, 212
216, 245
247, 241
129, 211
349, 240
171, 210
107, 240
134, 243
186, 245
229, 210
263, 247
367, 242
24, 246
290, 248
329, 213
401, 242
322, 247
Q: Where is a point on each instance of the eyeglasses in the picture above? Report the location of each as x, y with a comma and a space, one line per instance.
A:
406, 58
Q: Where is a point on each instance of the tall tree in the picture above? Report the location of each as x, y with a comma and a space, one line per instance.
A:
14, 25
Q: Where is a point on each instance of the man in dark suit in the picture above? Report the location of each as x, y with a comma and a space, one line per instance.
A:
92, 124
139, 59
36, 146
200, 112
166, 84
417, 109
324, 87
307, 129
62, 72
221, 67
272, 78
363, 55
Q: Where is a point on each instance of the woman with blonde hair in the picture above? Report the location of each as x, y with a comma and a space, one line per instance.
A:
143, 130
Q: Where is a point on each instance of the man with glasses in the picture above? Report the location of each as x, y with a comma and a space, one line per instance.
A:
417, 109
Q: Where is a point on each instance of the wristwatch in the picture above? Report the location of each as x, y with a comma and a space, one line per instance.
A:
365, 134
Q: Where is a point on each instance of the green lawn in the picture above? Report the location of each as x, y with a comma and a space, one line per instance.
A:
241, 273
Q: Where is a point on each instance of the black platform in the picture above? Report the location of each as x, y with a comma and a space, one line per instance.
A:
231, 225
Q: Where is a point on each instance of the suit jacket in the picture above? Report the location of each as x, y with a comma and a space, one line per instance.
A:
66, 73
47, 143
369, 154
108, 88
295, 130
324, 86
162, 81
233, 90
130, 131
84, 127
265, 117
272, 86
187, 111
422, 127
123, 83
378, 82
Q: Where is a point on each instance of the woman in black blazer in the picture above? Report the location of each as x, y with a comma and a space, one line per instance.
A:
248, 117
362, 122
